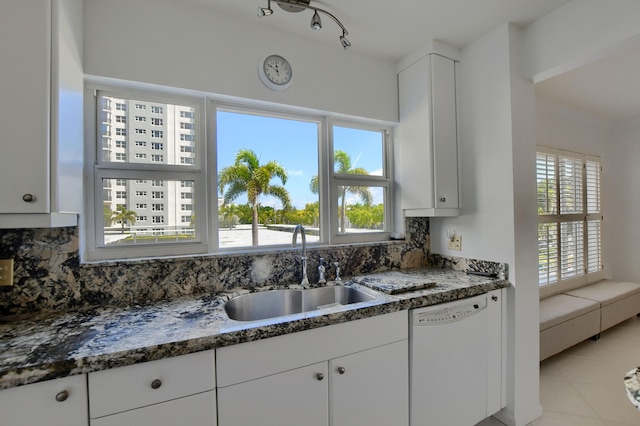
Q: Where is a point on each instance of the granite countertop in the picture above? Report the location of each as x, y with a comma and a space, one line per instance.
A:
48, 345
632, 385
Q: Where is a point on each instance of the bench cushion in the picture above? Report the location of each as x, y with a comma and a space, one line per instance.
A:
606, 292
560, 308
620, 300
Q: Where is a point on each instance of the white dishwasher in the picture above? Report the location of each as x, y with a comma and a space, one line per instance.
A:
450, 366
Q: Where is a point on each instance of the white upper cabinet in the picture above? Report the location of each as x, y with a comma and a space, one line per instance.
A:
426, 143
41, 86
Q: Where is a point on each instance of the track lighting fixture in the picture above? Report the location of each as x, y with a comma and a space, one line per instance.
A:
265, 11
316, 23
299, 5
343, 40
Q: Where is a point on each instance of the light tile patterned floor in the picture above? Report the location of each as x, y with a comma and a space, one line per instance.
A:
583, 386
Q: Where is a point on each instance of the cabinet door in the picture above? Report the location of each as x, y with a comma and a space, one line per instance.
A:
54, 402
25, 48
371, 388
445, 133
296, 397
426, 146
496, 370
195, 410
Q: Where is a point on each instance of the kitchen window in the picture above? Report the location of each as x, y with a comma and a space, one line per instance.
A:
334, 177
569, 219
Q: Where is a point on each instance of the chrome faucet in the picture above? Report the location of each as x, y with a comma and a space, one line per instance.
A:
303, 258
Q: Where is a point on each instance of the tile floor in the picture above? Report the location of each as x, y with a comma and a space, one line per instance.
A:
583, 386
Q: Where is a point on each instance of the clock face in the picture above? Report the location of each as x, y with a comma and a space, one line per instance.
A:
276, 73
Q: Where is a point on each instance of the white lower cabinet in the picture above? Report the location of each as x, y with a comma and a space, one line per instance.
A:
59, 402
168, 392
295, 397
370, 387
349, 374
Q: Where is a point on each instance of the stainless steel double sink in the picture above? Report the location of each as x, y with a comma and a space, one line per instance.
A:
276, 303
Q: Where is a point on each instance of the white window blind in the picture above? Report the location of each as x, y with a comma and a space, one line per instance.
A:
569, 218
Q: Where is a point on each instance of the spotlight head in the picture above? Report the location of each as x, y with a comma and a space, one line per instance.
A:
345, 43
264, 11
316, 23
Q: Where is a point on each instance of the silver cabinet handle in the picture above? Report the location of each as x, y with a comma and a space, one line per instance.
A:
341, 370
319, 376
62, 396
156, 384
28, 198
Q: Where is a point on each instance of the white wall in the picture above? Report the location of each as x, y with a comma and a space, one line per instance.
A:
622, 217
497, 221
579, 132
192, 46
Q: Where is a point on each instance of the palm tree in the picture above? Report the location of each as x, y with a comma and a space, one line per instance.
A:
246, 175
108, 214
123, 215
342, 164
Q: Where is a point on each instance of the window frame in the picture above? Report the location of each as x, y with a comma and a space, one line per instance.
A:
385, 181
204, 172
583, 217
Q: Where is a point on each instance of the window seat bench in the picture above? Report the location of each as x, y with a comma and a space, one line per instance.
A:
568, 318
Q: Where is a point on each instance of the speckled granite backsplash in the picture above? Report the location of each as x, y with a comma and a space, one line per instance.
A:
48, 274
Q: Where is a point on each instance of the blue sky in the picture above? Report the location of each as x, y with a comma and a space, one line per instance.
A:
293, 144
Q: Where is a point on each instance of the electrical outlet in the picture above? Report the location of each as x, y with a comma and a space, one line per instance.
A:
6, 272
455, 243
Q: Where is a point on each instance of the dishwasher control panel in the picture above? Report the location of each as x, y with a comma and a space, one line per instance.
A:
452, 314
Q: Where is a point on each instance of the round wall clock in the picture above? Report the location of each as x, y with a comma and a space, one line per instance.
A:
275, 72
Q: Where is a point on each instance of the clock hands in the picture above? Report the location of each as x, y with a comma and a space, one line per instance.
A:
275, 68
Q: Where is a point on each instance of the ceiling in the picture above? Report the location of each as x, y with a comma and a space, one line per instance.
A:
392, 30
608, 88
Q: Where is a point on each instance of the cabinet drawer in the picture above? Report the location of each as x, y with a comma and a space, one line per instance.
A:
126, 388
54, 402
194, 410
